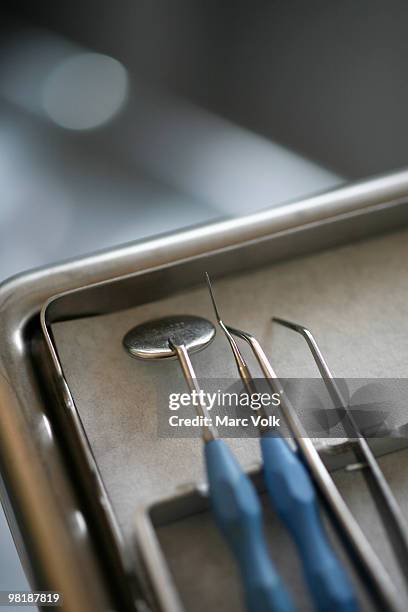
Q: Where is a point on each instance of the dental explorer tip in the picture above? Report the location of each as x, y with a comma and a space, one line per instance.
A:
214, 303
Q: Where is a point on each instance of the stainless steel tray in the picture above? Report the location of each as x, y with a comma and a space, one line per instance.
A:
57, 501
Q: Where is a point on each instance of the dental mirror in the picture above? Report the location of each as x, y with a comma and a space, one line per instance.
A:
150, 340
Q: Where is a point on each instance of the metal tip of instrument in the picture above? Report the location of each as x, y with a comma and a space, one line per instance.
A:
312, 344
214, 303
239, 360
231, 340
289, 324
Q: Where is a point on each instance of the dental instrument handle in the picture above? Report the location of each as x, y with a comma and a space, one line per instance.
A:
294, 499
237, 511
238, 514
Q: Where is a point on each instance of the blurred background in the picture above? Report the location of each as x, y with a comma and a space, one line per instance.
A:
120, 120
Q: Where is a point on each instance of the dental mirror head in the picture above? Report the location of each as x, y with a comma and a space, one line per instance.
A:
150, 340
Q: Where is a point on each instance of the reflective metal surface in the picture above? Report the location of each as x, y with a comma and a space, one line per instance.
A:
392, 516
150, 340
36, 403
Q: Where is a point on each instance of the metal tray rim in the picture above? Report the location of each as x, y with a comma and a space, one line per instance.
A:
21, 299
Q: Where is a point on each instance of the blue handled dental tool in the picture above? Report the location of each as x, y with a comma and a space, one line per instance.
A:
233, 498
380, 588
293, 497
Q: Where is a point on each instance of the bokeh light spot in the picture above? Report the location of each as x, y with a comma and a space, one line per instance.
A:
85, 91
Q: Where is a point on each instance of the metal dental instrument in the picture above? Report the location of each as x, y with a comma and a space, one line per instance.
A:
293, 496
234, 500
389, 509
380, 587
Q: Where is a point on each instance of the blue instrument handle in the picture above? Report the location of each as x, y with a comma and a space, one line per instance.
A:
238, 515
293, 497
